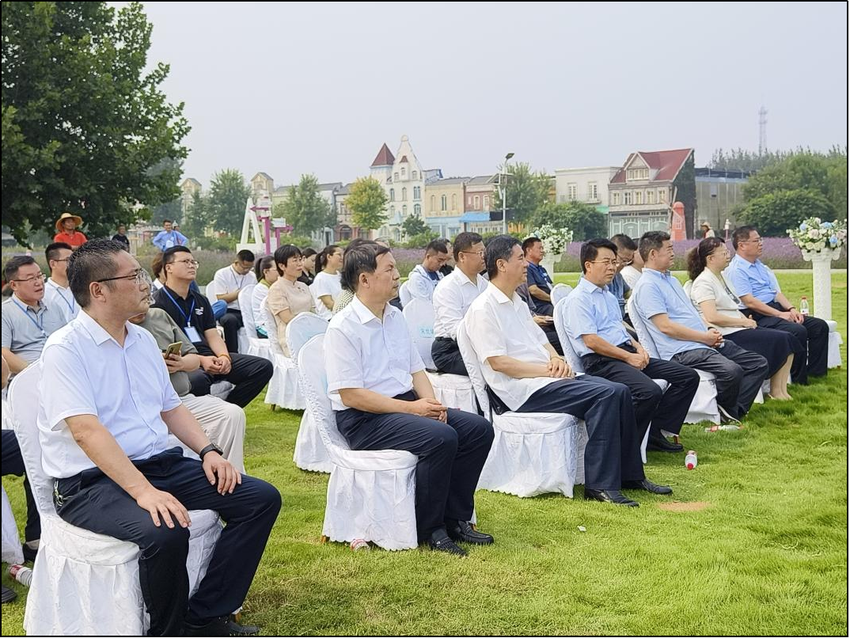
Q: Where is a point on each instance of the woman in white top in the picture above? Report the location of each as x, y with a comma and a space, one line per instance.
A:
718, 304
326, 287
266, 273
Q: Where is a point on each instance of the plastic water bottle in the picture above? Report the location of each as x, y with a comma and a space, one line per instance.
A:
719, 428
21, 574
691, 460
358, 543
804, 306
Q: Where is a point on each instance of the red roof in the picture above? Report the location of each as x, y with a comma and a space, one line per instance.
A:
384, 158
667, 163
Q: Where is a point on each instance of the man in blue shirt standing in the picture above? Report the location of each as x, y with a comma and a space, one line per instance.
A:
539, 281
762, 299
169, 237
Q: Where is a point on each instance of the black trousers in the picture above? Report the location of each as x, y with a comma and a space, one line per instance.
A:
248, 374
811, 337
551, 333
13, 463
230, 322
450, 456
612, 454
93, 501
447, 357
664, 410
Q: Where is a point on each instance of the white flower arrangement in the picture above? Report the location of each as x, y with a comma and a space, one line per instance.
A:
554, 239
814, 235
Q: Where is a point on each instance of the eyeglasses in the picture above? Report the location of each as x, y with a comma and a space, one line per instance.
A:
627, 262
480, 253
188, 262
28, 280
759, 240
139, 276
607, 262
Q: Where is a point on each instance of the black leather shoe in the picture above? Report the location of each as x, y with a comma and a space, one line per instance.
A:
222, 626
441, 542
608, 496
659, 443
647, 486
461, 531
8, 595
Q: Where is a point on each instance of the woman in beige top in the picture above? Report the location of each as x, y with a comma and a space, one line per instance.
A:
287, 296
718, 304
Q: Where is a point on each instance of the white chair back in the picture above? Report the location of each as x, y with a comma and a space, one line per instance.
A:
210, 291
303, 327
246, 307
473, 368
404, 295
640, 327
560, 291
271, 331
561, 326
419, 316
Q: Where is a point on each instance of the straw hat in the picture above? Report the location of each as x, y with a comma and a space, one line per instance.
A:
76, 218
705, 225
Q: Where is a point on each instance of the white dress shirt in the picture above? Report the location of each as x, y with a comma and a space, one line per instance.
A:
499, 326
361, 351
85, 371
258, 306
228, 280
452, 298
421, 284
61, 298
325, 284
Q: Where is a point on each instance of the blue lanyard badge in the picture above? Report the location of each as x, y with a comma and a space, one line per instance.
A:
71, 304
39, 325
189, 329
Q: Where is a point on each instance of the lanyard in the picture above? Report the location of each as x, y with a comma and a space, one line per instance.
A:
72, 304
180, 309
38, 325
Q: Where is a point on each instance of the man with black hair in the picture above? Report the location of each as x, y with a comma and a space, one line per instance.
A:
425, 276
121, 237
107, 408
539, 281
56, 290
383, 400
629, 258
168, 237
192, 312
230, 280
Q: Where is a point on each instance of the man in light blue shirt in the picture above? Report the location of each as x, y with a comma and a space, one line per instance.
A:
675, 326
169, 237
762, 299
594, 324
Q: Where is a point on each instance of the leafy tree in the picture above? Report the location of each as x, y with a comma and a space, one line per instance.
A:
367, 202
83, 123
305, 209
774, 213
172, 210
526, 192
414, 225
226, 203
197, 219
421, 240
583, 219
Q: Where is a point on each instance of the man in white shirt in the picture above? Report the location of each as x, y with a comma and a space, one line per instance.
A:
230, 281
56, 290
453, 297
525, 374
107, 409
382, 399
425, 276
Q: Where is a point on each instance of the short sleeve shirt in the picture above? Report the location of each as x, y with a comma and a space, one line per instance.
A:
26, 328
754, 279
74, 240
193, 311
592, 310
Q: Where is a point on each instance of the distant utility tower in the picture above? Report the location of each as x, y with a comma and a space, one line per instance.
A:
762, 131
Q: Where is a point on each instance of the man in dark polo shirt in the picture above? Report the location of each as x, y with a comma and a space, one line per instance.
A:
192, 312
539, 281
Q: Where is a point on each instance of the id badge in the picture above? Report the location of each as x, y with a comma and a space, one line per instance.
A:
192, 333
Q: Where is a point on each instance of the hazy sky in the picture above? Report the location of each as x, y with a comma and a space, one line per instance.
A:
317, 88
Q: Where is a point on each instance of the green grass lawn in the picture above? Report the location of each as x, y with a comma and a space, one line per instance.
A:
757, 546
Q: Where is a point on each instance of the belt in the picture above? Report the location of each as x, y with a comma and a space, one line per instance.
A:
444, 339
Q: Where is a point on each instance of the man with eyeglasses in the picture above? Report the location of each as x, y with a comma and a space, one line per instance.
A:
762, 298
107, 409
192, 312
453, 296
597, 335
627, 253
56, 290
27, 318
230, 281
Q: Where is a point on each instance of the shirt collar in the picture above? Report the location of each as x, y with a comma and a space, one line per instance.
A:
365, 315
587, 286
39, 307
664, 275
100, 335
499, 296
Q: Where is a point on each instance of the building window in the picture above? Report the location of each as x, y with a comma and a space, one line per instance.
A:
486, 202
404, 210
404, 194
454, 201
662, 196
443, 203
392, 210
417, 193
403, 172
615, 199
415, 175
572, 189
392, 194
469, 200
433, 203
638, 197
477, 202
635, 174
627, 198
650, 197
417, 210
395, 176
592, 192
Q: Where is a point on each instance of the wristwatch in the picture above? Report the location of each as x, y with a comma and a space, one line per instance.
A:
212, 447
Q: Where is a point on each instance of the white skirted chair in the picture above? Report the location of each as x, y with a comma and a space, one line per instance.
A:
310, 453
833, 358
560, 291
86, 583
704, 405
256, 346
404, 295
532, 453
371, 494
283, 389
452, 390
210, 292
13, 553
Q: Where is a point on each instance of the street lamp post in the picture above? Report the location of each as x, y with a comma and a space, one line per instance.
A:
503, 190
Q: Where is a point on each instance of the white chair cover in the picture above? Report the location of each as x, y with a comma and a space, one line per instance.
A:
12, 552
310, 453
833, 357
210, 292
283, 388
704, 405
371, 494
404, 295
532, 453
86, 583
560, 291
256, 347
